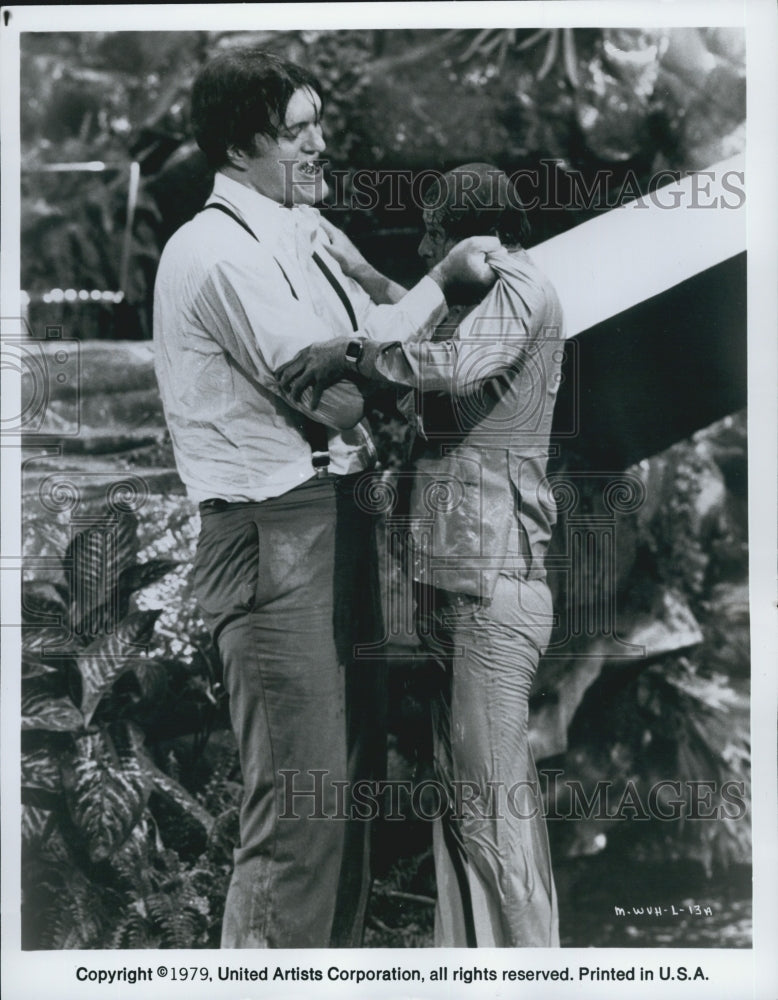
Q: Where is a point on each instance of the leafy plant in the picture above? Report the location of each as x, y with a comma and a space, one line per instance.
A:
97, 871
632, 101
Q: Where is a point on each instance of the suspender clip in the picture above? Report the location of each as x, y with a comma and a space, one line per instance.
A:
320, 460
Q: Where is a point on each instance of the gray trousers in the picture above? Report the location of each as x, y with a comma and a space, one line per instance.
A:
287, 588
492, 863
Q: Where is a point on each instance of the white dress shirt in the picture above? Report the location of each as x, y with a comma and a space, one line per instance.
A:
225, 318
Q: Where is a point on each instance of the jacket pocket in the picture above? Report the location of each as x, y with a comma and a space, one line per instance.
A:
466, 499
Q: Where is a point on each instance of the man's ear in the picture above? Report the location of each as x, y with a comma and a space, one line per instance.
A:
237, 158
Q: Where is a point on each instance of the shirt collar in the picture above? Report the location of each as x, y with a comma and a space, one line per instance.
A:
269, 220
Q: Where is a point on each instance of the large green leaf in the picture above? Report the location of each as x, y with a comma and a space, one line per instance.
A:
131, 859
43, 604
35, 824
106, 793
106, 659
50, 642
167, 786
41, 711
142, 574
76, 910
41, 783
153, 681
40, 769
176, 792
35, 666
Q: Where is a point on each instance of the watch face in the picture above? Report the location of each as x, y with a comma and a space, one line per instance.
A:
354, 351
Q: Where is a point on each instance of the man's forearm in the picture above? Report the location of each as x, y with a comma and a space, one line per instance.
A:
437, 367
382, 290
415, 314
341, 406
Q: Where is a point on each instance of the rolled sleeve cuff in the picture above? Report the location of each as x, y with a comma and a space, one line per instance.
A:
387, 363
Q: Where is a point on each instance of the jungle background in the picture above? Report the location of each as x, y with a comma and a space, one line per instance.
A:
130, 780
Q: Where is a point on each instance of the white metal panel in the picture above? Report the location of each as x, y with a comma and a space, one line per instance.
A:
631, 253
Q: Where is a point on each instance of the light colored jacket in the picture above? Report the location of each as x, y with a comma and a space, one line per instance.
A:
480, 504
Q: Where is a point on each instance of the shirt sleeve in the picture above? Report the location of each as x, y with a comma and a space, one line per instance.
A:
496, 337
248, 307
413, 318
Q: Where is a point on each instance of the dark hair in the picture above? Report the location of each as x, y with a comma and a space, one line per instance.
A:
478, 199
242, 92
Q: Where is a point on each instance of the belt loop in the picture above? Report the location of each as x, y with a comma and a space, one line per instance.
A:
212, 504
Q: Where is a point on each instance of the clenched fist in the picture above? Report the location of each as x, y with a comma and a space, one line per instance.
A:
465, 270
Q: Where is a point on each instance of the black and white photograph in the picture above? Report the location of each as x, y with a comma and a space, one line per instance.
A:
388, 525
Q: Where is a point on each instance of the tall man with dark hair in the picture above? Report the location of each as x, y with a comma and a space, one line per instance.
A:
283, 567
483, 395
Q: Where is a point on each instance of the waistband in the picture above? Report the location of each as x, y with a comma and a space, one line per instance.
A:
316, 488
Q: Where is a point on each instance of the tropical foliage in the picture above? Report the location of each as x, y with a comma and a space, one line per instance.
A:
117, 851
631, 102
130, 780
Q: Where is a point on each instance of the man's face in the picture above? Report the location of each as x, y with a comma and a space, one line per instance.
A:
286, 169
436, 243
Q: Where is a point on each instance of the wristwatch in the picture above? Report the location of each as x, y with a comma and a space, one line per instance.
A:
354, 351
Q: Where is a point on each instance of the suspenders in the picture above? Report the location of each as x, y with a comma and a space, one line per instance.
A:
314, 432
338, 289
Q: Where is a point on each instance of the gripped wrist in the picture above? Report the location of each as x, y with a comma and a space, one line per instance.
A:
366, 364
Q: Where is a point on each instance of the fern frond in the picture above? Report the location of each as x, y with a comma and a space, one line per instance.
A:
133, 930
77, 914
180, 917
